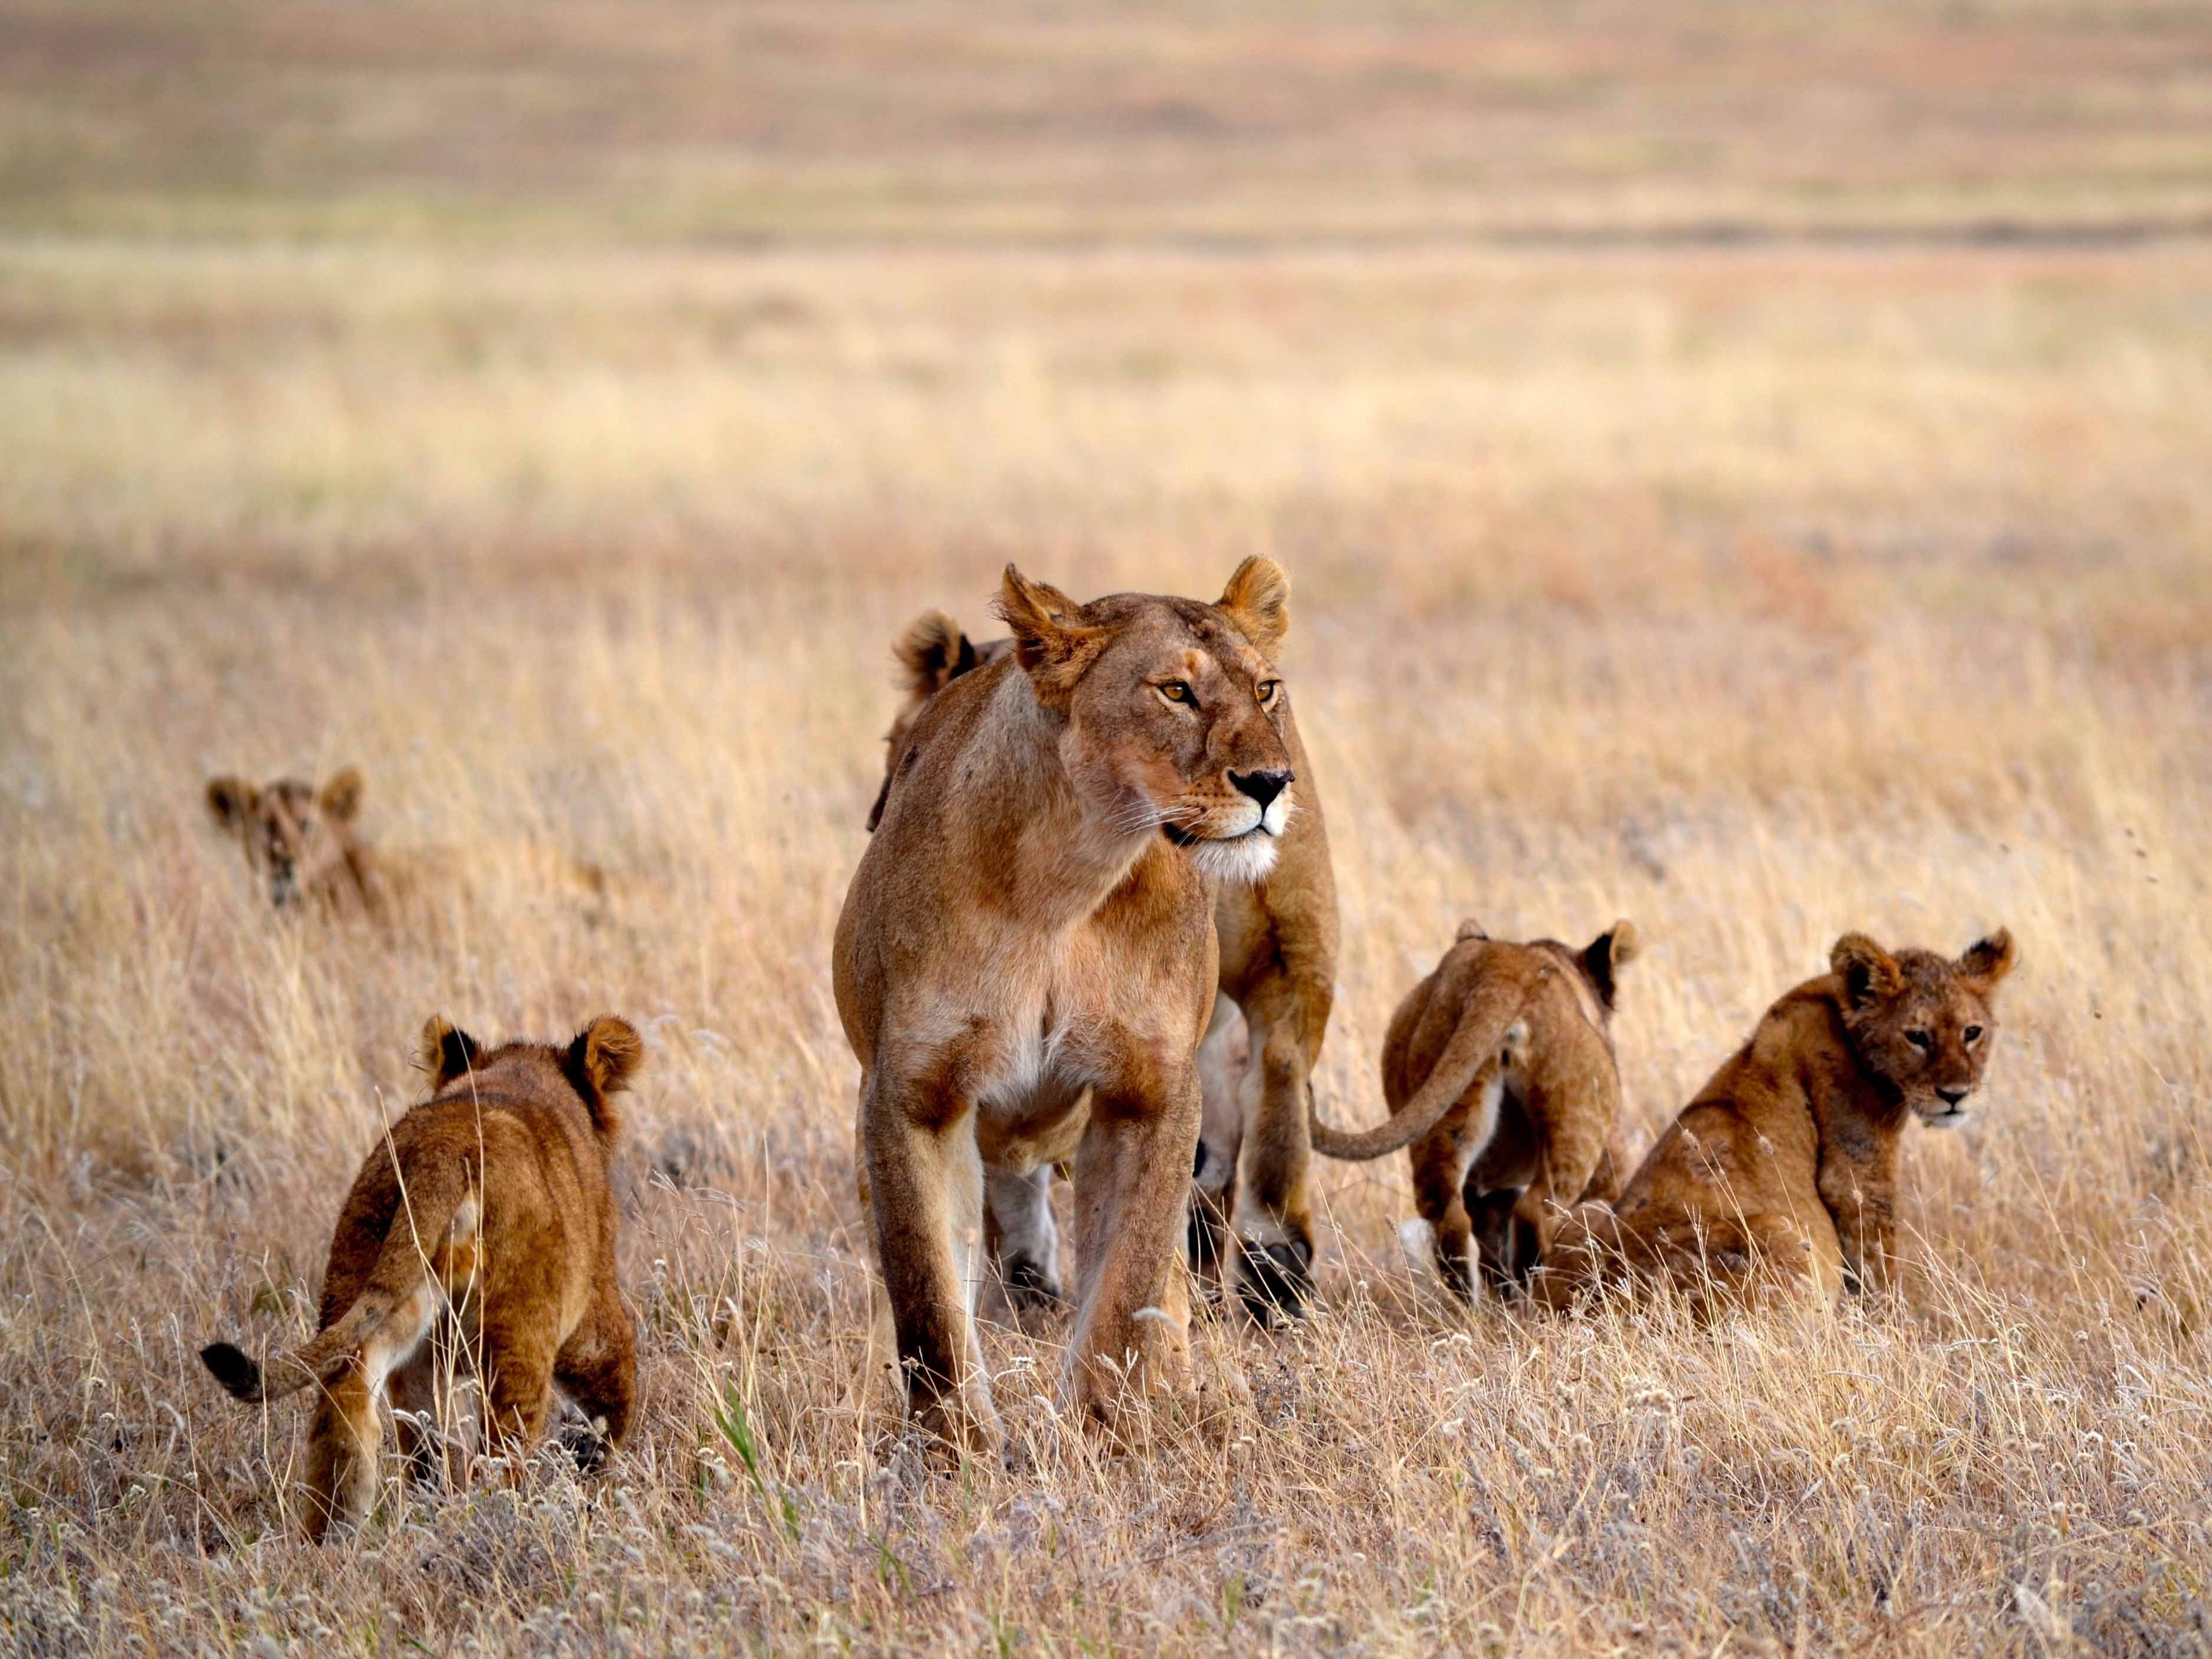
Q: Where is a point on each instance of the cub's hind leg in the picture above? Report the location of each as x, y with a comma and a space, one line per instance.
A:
597, 1369
1440, 1164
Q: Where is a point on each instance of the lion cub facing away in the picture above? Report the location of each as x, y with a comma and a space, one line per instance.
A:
1499, 1069
487, 1206
1782, 1173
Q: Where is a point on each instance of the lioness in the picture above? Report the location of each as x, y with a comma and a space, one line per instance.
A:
1278, 940
1026, 958
304, 842
1782, 1173
486, 1208
1506, 1130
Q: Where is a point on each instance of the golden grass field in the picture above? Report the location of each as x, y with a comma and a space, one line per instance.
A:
1756, 592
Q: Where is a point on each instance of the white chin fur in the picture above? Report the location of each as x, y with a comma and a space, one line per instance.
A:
1247, 858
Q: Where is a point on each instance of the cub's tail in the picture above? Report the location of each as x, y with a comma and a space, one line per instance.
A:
438, 1209
1489, 1028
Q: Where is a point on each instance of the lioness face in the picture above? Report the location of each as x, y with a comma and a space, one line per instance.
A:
294, 837
1922, 1025
1174, 714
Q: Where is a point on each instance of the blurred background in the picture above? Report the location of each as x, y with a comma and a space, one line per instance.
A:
1741, 467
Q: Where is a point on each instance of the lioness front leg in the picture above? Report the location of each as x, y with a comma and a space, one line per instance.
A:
1274, 1226
1133, 1315
1221, 1068
926, 1191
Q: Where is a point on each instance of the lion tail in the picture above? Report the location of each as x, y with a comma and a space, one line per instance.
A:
1490, 1026
438, 1207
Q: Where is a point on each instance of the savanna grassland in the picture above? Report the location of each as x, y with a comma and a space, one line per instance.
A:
1745, 473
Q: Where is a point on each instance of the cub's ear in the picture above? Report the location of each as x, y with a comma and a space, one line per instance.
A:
447, 1051
232, 800
1989, 960
1604, 956
1258, 600
1869, 972
340, 798
606, 1055
932, 652
1470, 929
1056, 648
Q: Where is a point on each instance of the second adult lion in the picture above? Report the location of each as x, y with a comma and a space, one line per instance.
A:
1025, 962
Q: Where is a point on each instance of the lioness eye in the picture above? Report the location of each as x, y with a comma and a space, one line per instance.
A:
1267, 689
1176, 691
1920, 1040
1973, 1034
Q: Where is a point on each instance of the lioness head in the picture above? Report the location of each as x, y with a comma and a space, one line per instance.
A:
1920, 1023
297, 837
1173, 710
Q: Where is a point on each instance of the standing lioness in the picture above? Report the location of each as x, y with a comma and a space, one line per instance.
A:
1033, 919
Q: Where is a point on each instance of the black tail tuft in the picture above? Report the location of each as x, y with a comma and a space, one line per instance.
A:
237, 1374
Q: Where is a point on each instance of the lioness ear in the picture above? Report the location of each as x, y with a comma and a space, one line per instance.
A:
340, 798
447, 1051
1604, 956
232, 800
932, 652
1989, 960
1055, 647
606, 1056
1258, 600
1869, 972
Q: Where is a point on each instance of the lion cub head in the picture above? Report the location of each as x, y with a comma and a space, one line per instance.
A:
1173, 710
297, 837
1921, 1025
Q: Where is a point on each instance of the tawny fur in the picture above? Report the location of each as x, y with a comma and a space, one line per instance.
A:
305, 844
485, 1216
1251, 1214
1782, 1175
1506, 1135
1025, 962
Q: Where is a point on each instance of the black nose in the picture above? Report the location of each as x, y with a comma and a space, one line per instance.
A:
1952, 1097
1262, 786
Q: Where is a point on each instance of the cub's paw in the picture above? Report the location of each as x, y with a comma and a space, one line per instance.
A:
1029, 1287
1276, 1280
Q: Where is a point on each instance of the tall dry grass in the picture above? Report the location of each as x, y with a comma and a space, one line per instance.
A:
1755, 598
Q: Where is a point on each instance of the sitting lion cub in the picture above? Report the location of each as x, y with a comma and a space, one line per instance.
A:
1783, 1171
488, 1206
1530, 1131
302, 842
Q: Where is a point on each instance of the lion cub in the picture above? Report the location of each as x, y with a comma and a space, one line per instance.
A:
1535, 1133
1782, 1173
488, 1207
303, 842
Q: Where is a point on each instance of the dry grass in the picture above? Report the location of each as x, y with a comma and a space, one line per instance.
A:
1756, 596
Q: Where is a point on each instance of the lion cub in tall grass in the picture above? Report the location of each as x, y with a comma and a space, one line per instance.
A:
1782, 1173
303, 842
487, 1210
1499, 1073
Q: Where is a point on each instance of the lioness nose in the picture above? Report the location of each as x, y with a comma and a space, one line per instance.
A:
1262, 786
1952, 1097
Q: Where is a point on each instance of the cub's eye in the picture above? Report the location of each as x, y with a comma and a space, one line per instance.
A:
1268, 689
1973, 1034
1176, 691
1920, 1040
